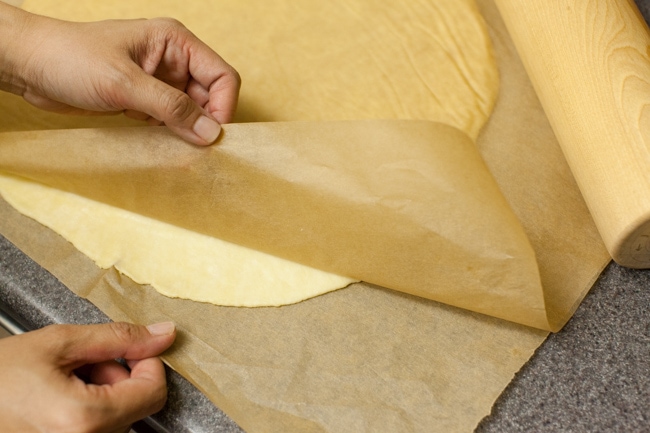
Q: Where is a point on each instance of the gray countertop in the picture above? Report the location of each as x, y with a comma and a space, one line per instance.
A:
593, 376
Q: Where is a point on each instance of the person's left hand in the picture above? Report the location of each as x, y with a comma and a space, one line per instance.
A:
41, 377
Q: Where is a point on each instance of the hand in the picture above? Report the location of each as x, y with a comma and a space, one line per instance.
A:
41, 386
154, 70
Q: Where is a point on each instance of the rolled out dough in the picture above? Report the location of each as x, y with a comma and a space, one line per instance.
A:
332, 60
353, 60
179, 263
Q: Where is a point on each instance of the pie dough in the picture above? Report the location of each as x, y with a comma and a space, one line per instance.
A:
179, 263
352, 60
333, 60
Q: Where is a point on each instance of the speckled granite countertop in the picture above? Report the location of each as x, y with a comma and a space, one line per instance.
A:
593, 376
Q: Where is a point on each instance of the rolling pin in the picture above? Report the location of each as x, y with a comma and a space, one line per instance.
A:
589, 62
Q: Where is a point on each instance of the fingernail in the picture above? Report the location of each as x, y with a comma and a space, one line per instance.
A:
162, 328
206, 128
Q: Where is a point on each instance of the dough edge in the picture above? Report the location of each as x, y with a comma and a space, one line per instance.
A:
205, 269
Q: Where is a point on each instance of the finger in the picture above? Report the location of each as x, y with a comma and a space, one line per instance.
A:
108, 373
173, 66
221, 80
175, 108
186, 57
137, 397
198, 93
76, 345
224, 94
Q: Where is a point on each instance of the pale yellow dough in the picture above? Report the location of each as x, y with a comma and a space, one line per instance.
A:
179, 263
332, 60
299, 60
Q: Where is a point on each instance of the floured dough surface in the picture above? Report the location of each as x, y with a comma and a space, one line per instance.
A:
177, 262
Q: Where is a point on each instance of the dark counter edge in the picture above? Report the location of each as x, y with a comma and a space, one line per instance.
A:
34, 298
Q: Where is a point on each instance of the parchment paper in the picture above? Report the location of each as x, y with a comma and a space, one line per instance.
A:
408, 205
367, 358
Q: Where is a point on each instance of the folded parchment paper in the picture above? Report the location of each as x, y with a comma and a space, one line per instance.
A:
408, 205
367, 358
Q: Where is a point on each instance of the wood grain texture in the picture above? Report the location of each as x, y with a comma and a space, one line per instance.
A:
589, 63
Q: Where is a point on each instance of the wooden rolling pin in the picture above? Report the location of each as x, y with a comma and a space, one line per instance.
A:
589, 61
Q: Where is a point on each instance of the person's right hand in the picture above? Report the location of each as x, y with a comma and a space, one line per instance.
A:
154, 70
41, 389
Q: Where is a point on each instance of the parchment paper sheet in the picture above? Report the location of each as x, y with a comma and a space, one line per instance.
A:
408, 205
367, 358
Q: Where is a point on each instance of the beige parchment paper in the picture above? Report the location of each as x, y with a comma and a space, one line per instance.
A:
408, 205
368, 358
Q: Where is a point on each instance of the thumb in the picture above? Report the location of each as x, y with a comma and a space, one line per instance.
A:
78, 345
174, 107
